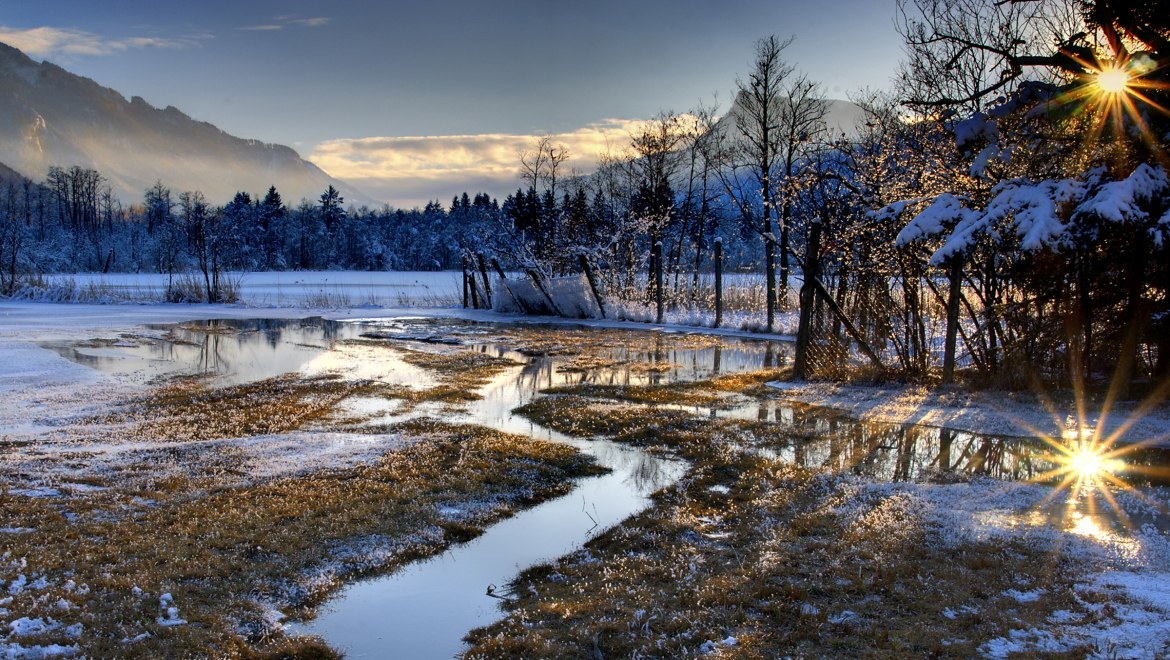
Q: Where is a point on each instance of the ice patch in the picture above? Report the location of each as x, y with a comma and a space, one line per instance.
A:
844, 616
711, 646
169, 615
1024, 596
26, 627
38, 491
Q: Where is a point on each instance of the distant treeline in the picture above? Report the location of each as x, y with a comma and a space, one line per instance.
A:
71, 222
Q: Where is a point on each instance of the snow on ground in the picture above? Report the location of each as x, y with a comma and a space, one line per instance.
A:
327, 289
997, 413
39, 389
1121, 560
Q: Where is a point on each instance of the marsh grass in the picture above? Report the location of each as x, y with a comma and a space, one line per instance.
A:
459, 375
228, 553
589, 344
709, 393
187, 409
788, 560
582, 417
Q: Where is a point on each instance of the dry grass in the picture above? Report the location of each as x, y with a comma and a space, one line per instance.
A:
774, 564
107, 558
190, 409
582, 417
790, 561
459, 375
589, 346
709, 393
680, 394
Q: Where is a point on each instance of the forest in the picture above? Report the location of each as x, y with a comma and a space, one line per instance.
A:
1001, 215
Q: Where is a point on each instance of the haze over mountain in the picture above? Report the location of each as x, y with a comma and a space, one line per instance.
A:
53, 117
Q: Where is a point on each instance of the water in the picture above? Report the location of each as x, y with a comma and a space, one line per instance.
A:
425, 609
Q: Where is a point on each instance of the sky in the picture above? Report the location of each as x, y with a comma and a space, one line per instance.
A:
412, 101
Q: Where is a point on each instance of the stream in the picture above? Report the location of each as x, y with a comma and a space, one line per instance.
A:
426, 608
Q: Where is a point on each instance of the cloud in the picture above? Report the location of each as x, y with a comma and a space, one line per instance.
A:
316, 21
440, 166
45, 41
281, 22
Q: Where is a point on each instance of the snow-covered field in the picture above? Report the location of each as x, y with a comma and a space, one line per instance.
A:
37, 384
324, 289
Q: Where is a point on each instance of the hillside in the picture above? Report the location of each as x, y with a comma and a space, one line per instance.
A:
54, 117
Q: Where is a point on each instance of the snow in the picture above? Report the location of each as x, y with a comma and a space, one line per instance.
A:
1138, 625
1033, 208
711, 646
1024, 596
18, 651
38, 388
1119, 201
994, 413
978, 127
169, 612
944, 211
295, 289
1039, 211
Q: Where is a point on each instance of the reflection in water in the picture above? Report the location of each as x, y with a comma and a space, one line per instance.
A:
235, 351
823, 438
246, 350
424, 610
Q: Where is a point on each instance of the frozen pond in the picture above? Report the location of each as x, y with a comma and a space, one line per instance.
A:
425, 609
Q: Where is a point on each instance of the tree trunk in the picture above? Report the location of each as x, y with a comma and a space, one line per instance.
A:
955, 278
658, 293
770, 275
812, 267
718, 282
782, 294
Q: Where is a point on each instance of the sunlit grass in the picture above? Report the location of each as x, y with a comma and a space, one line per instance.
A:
226, 552
783, 559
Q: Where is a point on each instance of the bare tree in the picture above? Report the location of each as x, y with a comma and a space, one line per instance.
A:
758, 127
542, 164
801, 119
778, 115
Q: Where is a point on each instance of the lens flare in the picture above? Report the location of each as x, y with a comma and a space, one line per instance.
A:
1091, 462
1112, 81
1120, 96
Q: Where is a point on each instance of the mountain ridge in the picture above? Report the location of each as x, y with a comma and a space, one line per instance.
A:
57, 118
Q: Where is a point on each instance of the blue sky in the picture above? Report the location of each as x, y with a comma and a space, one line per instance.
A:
318, 76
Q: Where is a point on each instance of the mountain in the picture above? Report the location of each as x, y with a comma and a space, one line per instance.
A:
9, 175
54, 117
841, 118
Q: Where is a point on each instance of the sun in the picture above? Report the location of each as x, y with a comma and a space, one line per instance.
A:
1112, 81
1121, 95
1091, 463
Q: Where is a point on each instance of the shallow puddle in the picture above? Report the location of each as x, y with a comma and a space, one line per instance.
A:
426, 608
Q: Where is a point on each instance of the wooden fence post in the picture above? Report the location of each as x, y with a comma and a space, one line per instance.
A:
718, 281
487, 287
592, 283
536, 281
471, 281
658, 279
466, 295
508, 287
